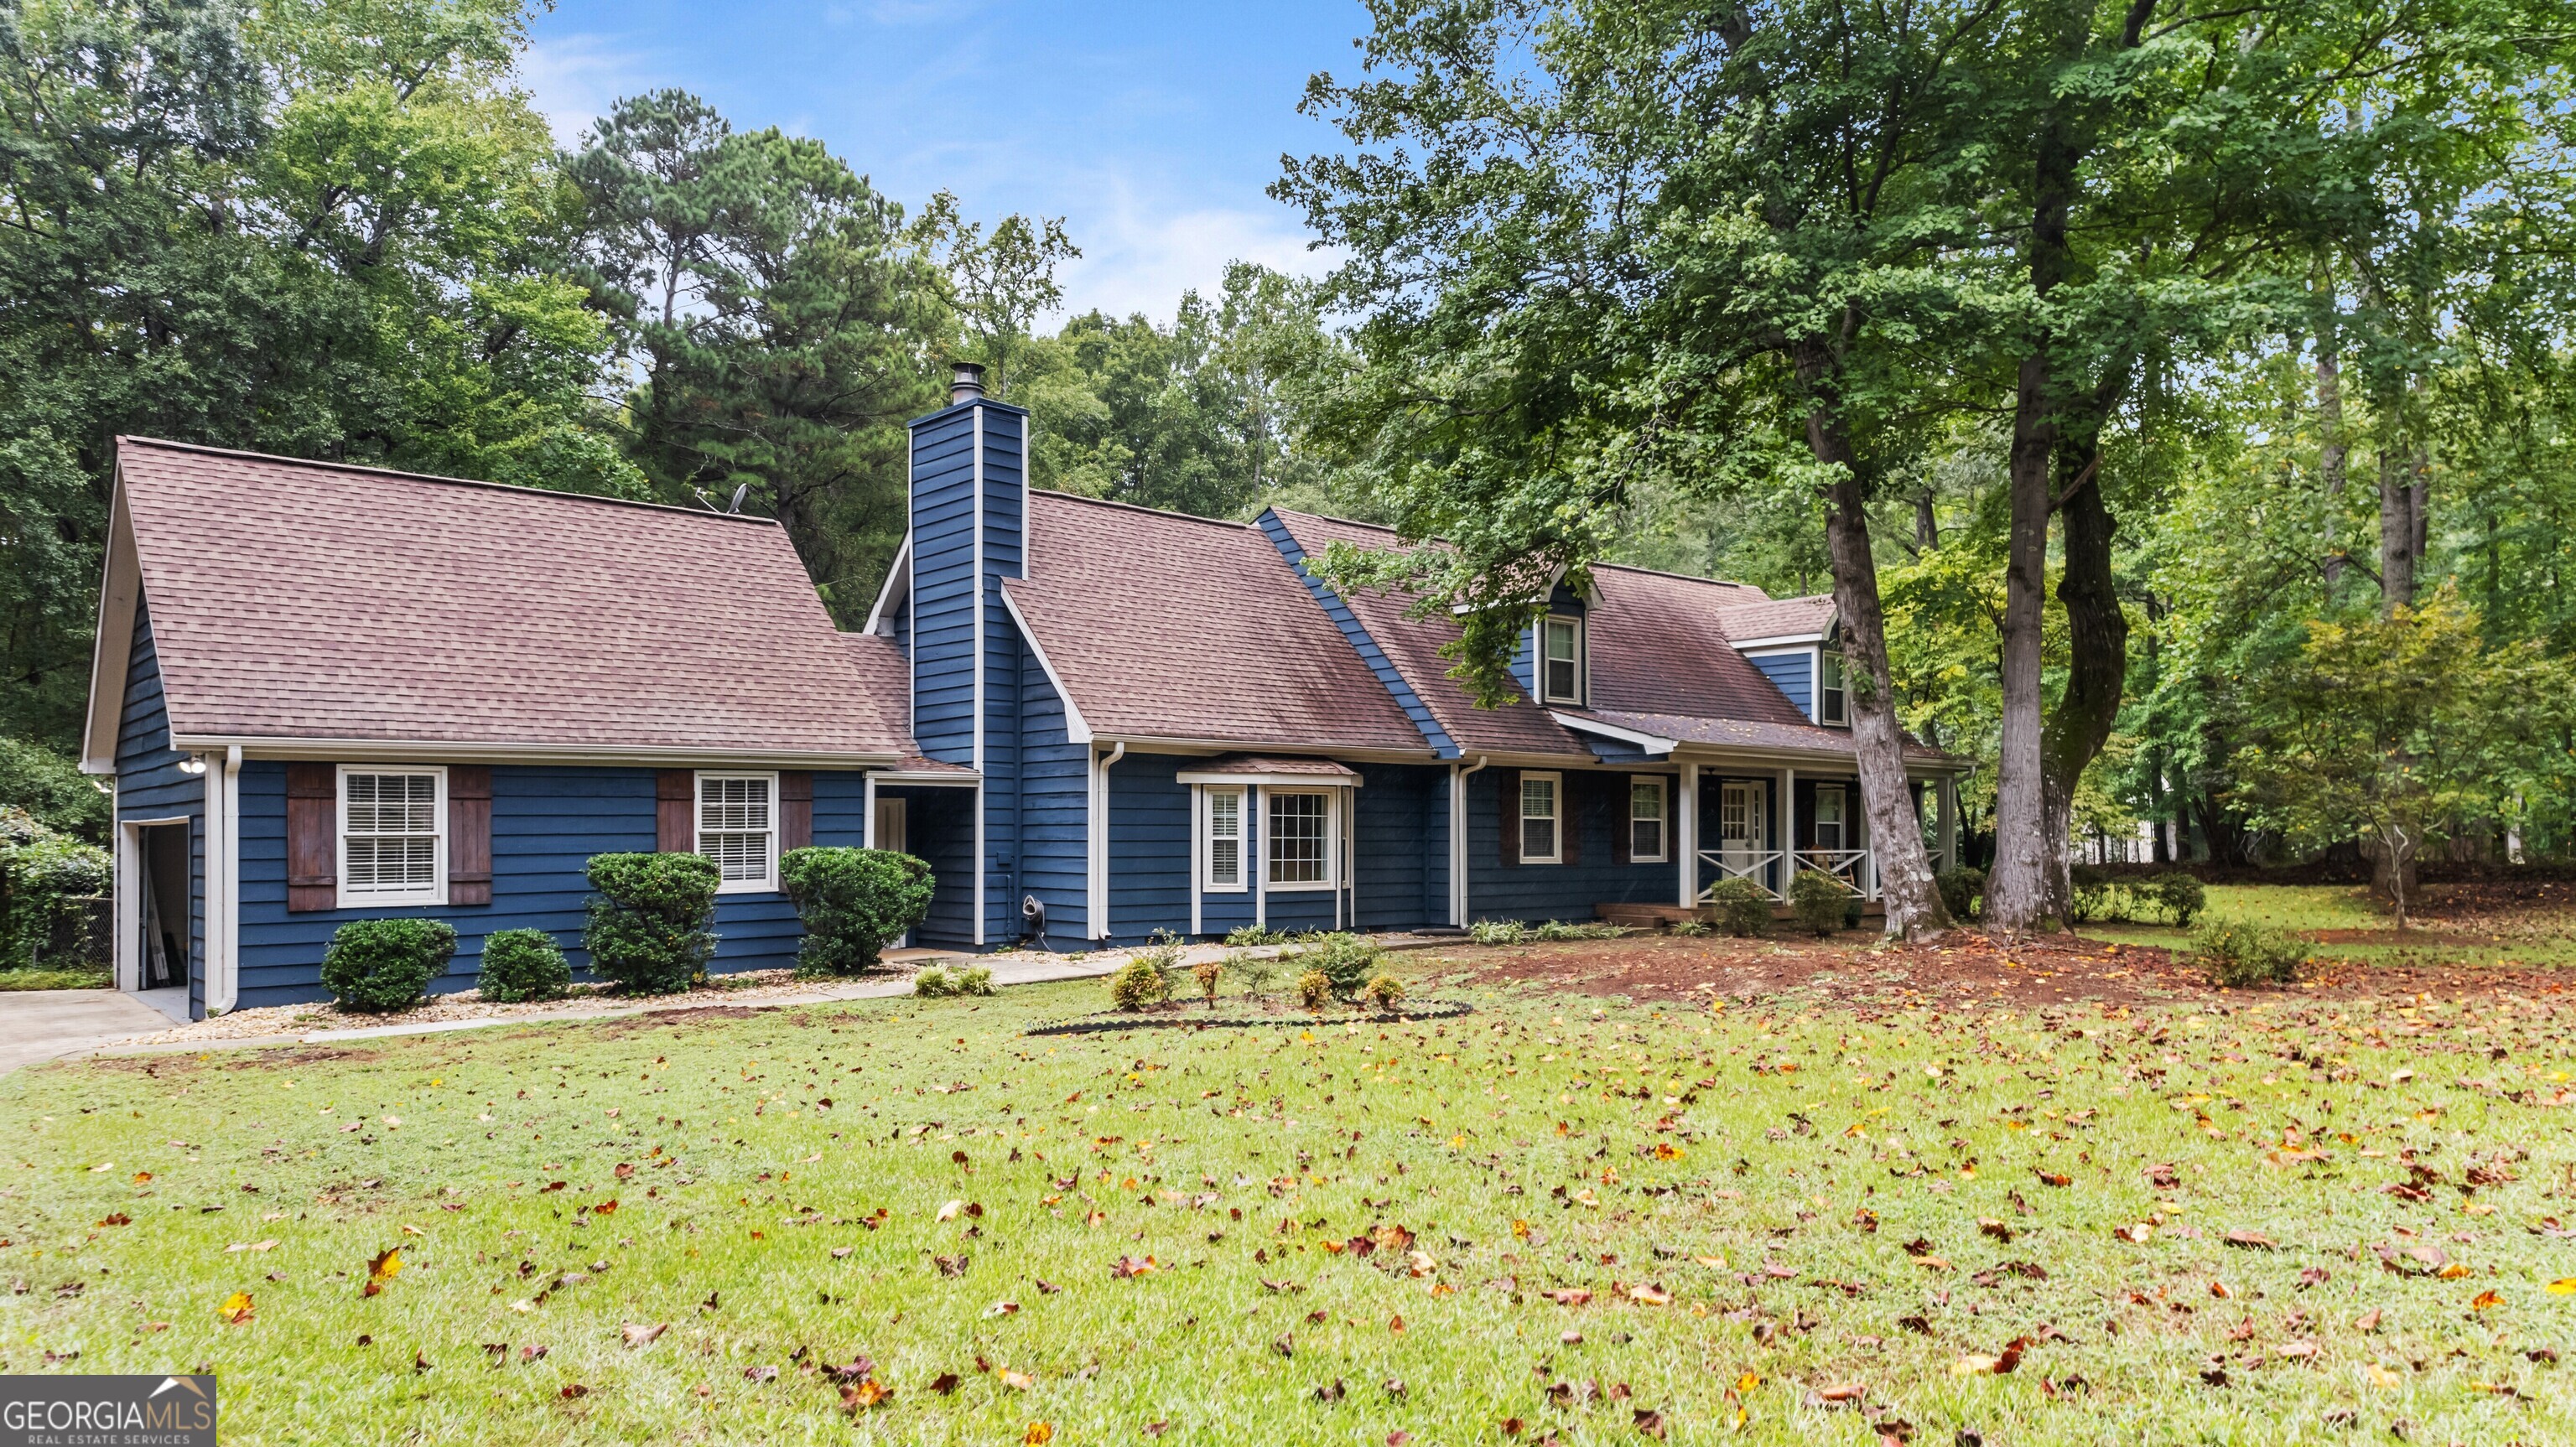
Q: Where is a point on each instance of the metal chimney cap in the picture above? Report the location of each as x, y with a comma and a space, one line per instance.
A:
968, 385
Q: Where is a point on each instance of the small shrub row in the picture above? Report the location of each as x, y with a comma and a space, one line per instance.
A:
939, 982
2172, 897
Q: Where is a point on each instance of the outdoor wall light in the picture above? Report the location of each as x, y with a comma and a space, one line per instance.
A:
193, 764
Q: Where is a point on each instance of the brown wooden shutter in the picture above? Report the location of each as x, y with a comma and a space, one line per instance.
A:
469, 834
312, 837
1623, 822
1507, 788
795, 809
1569, 818
675, 811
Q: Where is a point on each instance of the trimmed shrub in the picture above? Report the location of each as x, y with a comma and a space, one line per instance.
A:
1209, 973
1386, 992
1347, 961
2181, 896
1962, 891
940, 982
652, 924
377, 965
1743, 910
1819, 901
523, 964
1561, 930
1498, 932
853, 901
1315, 989
2236, 955
1138, 984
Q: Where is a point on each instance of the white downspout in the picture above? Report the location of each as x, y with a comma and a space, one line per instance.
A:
1097, 906
1686, 835
1458, 840
223, 890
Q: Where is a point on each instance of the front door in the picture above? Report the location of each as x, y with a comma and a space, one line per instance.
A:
1743, 820
890, 825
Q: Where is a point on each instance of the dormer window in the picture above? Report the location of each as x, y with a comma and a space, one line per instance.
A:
1561, 659
1831, 705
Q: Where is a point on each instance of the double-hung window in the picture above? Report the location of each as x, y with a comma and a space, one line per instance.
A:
1831, 826
1223, 831
1300, 851
738, 829
1830, 703
1561, 659
393, 836
1540, 798
1646, 820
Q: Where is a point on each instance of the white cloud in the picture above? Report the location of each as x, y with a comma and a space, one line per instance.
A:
1139, 256
572, 80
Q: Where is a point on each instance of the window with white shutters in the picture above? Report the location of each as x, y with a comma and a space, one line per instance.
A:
393, 836
738, 828
1224, 837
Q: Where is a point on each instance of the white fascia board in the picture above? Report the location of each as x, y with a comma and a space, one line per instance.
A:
898, 584
1783, 643
1651, 743
120, 589
1075, 729
931, 780
1276, 781
474, 752
1201, 748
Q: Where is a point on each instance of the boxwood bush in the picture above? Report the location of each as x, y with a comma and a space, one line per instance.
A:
523, 964
2237, 955
853, 902
1743, 910
1820, 901
377, 965
652, 924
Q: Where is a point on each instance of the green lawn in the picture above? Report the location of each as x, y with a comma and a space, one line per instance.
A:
1794, 1229
2535, 935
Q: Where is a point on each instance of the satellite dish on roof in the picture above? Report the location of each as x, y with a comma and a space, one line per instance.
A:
739, 494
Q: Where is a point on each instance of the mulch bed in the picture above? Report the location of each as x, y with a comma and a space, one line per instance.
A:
1857, 972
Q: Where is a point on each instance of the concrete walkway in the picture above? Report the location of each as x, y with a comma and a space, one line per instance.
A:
49, 1024
121, 1017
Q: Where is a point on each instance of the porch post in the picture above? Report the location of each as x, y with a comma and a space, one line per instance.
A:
1945, 807
1788, 830
1255, 829
1686, 835
868, 810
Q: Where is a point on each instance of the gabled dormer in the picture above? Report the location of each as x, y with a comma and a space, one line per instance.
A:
1797, 644
1554, 661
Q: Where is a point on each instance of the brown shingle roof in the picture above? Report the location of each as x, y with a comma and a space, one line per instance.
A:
885, 681
1656, 648
307, 600
1171, 627
1413, 646
1777, 618
1745, 733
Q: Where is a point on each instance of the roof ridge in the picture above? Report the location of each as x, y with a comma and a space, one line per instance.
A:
1686, 577
122, 439
1160, 512
1438, 542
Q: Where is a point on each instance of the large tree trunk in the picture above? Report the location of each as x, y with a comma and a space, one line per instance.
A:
2331, 449
2396, 525
2098, 642
1913, 905
2017, 892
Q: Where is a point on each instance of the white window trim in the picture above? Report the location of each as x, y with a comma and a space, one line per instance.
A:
1242, 880
436, 893
1332, 879
1835, 654
1521, 817
1575, 621
1663, 823
768, 882
1842, 817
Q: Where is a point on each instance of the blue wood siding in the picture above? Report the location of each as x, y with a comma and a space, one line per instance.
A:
1793, 674
1595, 802
1054, 781
943, 592
1149, 847
150, 786
1400, 847
546, 823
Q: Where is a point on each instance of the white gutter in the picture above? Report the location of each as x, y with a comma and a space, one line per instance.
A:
1458, 840
223, 885
1096, 832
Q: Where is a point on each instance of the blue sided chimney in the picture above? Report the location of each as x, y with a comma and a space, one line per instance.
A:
970, 503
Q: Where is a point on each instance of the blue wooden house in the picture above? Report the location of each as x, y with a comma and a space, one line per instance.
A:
329, 693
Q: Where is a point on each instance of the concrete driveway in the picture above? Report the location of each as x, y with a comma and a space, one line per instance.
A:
43, 1024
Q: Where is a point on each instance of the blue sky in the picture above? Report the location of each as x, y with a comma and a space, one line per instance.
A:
1152, 128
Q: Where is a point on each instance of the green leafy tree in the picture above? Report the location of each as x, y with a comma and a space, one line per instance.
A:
2399, 728
998, 283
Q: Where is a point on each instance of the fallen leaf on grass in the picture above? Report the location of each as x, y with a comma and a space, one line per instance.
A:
2486, 1299
236, 1308
1039, 1433
1017, 1381
2251, 1240
1649, 1422
944, 1383
385, 1267
573, 1391
2563, 1286
1132, 1266
2136, 1234
868, 1393
1568, 1296
637, 1334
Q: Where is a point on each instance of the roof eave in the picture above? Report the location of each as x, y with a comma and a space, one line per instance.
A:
273, 746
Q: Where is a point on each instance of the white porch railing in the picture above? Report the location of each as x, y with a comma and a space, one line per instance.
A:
1857, 869
1752, 864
